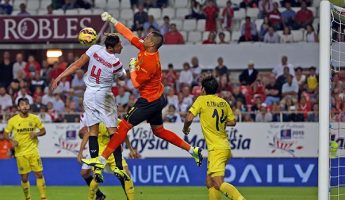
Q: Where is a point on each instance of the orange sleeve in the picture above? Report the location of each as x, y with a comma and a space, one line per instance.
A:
129, 35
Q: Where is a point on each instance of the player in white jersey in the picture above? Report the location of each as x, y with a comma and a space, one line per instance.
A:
99, 102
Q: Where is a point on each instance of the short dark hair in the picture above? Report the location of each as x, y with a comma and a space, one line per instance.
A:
210, 85
111, 40
23, 99
158, 39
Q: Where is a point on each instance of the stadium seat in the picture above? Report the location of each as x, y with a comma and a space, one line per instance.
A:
298, 35
115, 13
240, 14
126, 14
201, 25
181, 3
59, 12
71, 12
84, 11
315, 14
316, 3
44, 4
168, 12
113, 4
252, 12
125, 4
235, 36
97, 11
221, 3
189, 25
236, 2
194, 37
258, 23
33, 12
33, 5
181, 13
184, 34
205, 35
17, 3
316, 23
101, 4
178, 24
42, 12
156, 12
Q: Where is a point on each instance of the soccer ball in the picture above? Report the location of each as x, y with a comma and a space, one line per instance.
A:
87, 36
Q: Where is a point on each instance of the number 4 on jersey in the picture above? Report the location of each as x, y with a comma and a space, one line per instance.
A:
221, 120
96, 75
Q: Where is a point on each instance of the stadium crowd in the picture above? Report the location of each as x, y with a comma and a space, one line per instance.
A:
286, 93
266, 21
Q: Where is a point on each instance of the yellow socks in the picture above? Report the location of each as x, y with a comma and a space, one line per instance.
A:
26, 189
93, 189
214, 194
129, 187
41, 185
230, 191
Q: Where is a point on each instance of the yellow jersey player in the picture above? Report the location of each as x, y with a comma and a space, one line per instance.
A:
25, 129
112, 163
215, 114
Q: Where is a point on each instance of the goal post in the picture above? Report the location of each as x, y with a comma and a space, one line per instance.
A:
324, 99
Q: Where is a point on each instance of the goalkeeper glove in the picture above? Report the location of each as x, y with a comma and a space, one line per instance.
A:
133, 65
108, 18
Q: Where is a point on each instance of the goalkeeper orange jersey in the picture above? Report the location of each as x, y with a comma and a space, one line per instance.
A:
148, 77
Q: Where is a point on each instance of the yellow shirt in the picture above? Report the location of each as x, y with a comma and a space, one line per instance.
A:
103, 136
21, 129
214, 113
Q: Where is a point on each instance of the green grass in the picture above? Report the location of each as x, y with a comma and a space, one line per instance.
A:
161, 193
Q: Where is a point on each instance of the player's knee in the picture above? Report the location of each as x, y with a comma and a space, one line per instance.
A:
25, 179
38, 174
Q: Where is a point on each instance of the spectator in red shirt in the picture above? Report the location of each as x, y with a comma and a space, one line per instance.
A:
173, 36
227, 15
304, 16
171, 75
275, 18
32, 67
248, 31
5, 147
211, 12
55, 72
211, 39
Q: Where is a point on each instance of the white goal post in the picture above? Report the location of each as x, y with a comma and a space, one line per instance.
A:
324, 99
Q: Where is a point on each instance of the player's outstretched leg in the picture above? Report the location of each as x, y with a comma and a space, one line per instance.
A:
171, 137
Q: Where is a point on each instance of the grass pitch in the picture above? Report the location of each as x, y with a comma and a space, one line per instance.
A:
161, 193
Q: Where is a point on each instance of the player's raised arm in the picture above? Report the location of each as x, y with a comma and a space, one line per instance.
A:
70, 70
123, 30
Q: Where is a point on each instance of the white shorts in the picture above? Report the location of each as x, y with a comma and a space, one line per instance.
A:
100, 106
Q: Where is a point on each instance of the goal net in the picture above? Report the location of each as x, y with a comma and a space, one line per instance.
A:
332, 103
